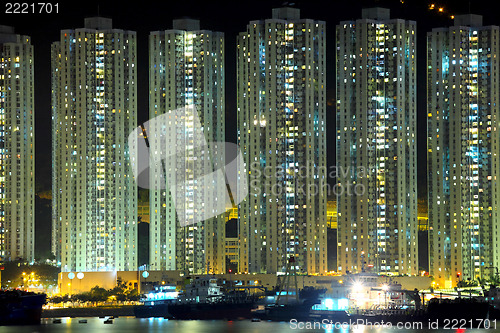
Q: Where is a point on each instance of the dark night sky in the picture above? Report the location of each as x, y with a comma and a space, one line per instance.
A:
146, 16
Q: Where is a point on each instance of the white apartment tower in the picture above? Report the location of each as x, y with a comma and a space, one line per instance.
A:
281, 105
186, 68
17, 160
376, 144
463, 150
94, 108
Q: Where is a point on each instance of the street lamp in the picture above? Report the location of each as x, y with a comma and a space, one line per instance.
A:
385, 288
145, 275
357, 293
71, 276
80, 276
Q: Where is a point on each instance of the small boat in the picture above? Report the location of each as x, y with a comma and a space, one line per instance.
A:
82, 321
108, 321
255, 320
56, 321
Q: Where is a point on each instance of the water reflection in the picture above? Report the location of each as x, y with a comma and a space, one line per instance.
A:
143, 325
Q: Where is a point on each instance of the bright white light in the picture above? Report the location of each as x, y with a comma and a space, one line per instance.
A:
343, 304
357, 286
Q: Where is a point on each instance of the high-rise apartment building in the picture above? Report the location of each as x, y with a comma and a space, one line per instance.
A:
186, 67
463, 150
281, 105
376, 144
94, 107
17, 160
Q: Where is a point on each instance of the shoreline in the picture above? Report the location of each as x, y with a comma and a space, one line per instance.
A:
115, 311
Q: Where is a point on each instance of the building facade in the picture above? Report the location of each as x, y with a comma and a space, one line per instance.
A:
463, 150
94, 107
376, 144
186, 67
281, 105
17, 151
232, 241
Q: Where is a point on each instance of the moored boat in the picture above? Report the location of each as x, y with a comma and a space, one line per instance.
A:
204, 299
155, 303
18, 307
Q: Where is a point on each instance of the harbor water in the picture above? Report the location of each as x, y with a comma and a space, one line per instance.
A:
143, 325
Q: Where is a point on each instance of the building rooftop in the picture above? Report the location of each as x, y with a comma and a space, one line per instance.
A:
471, 20
186, 24
376, 13
7, 34
5, 29
286, 13
98, 23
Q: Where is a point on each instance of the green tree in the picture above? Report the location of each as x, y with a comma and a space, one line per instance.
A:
119, 292
59, 299
494, 280
132, 295
98, 294
82, 297
12, 275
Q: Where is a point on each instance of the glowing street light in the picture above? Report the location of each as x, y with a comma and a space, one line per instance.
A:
385, 288
71, 276
357, 293
80, 276
357, 287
